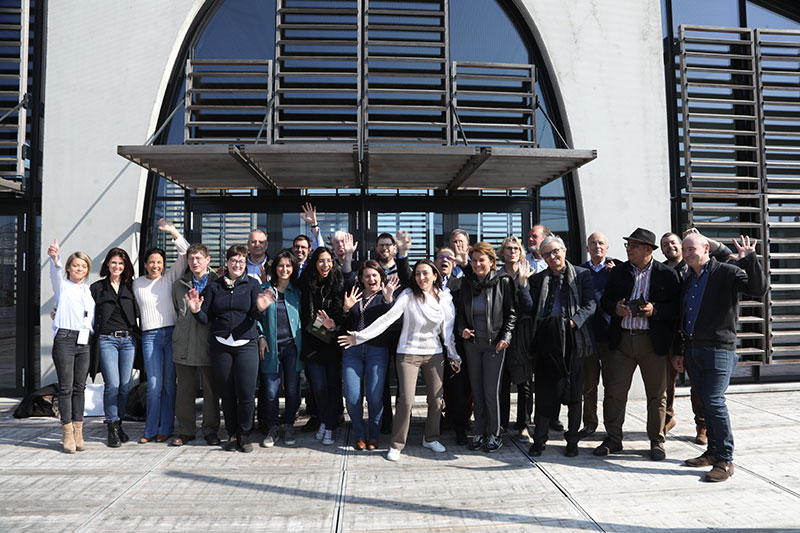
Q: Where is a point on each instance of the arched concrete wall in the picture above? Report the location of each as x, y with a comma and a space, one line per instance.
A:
108, 65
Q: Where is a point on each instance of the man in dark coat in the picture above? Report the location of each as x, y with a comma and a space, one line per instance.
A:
708, 320
641, 297
561, 298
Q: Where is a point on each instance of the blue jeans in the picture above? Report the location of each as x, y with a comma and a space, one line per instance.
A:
287, 369
116, 365
161, 381
327, 390
711, 370
369, 362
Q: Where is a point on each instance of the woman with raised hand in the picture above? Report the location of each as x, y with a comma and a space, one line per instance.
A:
153, 292
116, 323
232, 304
485, 321
428, 316
72, 326
279, 349
321, 311
364, 303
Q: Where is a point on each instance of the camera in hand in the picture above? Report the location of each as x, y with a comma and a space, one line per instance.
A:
636, 305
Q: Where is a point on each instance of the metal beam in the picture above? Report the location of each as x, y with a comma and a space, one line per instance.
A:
357, 168
8, 185
251, 167
472, 165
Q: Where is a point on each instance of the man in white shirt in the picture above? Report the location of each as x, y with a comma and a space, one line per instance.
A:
537, 234
459, 243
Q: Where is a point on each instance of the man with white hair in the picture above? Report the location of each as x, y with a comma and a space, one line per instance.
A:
536, 236
709, 314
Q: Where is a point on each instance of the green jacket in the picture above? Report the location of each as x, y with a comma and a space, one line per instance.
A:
190, 337
268, 326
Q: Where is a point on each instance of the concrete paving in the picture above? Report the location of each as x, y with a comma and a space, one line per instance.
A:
311, 487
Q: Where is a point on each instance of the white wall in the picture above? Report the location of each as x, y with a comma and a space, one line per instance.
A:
606, 59
108, 64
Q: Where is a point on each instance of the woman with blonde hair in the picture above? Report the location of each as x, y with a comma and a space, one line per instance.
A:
72, 325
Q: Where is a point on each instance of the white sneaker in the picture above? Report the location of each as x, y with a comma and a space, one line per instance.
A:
436, 446
393, 454
327, 440
320, 432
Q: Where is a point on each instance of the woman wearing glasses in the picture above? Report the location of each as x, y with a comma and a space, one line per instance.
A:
485, 320
232, 304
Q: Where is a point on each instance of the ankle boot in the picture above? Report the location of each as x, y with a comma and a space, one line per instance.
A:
113, 435
123, 437
69, 438
77, 428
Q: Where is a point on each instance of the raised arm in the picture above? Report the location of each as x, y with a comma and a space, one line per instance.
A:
383, 322
177, 268
56, 270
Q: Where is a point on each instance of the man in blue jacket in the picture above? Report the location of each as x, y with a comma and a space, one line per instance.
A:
708, 321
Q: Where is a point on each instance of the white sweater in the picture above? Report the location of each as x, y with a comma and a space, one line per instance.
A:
155, 295
425, 322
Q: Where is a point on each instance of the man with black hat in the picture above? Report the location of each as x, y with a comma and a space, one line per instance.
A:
642, 298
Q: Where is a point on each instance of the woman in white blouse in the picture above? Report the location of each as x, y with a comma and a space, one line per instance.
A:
153, 293
72, 325
428, 315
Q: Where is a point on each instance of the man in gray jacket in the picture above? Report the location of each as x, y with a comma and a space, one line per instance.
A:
191, 355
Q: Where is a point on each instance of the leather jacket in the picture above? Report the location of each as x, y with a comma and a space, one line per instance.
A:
499, 293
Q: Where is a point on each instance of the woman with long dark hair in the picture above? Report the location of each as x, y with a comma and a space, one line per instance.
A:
428, 316
232, 304
72, 326
321, 311
116, 326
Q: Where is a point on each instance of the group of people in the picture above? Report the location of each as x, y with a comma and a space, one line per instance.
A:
473, 327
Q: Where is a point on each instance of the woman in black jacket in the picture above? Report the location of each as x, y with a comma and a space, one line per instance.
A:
232, 304
117, 329
321, 309
485, 319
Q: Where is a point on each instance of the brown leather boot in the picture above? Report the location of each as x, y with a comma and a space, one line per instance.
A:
702, 437
77, 427
69, 438
707, 459
721, 472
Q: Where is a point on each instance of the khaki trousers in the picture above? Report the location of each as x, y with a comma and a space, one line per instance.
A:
185, 396
408, 367
633, 351
593, 367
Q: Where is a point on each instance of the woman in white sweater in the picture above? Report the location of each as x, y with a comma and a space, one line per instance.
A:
428, 316
73, 322
153, 292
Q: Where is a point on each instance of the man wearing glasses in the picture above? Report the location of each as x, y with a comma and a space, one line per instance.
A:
642, 297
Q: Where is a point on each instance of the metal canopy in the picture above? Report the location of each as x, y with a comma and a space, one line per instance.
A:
301, 166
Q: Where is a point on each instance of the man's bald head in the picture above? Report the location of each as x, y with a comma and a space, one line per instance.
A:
597, 246
694, 249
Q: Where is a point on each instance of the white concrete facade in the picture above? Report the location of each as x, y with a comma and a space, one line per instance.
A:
108, 66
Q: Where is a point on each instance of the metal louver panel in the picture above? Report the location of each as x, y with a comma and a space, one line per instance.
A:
220, 231
419, 226
721, 146
14, 39
778, 67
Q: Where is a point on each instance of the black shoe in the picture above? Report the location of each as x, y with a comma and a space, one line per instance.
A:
245, 446
461, 438
556, 425
536, 449
232, 445
586, 432
212, 440
608, 446
493, 444
477, 442
113, 435
123, 437
311, 426
572, 450
657, 452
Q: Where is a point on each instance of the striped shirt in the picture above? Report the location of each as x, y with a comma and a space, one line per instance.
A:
641, 289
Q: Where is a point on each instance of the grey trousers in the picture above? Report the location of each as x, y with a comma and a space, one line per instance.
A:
185, 396
485, 370
408, 367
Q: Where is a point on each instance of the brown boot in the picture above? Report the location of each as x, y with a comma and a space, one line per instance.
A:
707, 459
69, 438
721, 472
78, 429
702, 437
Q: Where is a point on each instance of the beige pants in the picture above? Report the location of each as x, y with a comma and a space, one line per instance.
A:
408, 367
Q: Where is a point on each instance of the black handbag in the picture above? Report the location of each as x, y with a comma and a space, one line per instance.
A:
322, 333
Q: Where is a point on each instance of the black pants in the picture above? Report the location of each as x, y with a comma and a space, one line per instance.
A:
235, 373
387, 417
524, 402
456, 397
549, 390
72, 366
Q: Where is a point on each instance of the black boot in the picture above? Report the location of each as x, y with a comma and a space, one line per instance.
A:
113, 435
123, 437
